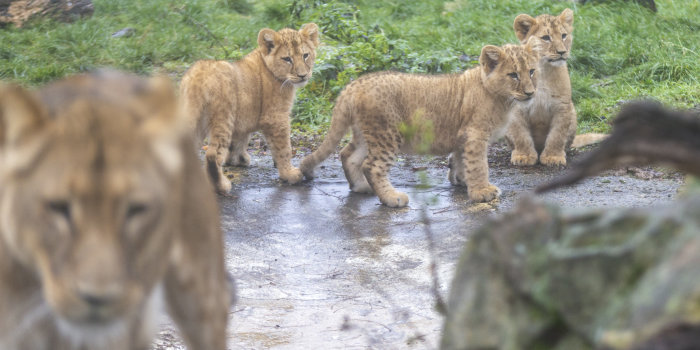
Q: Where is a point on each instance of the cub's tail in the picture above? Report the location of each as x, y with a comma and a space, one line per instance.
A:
340, 121
587, 139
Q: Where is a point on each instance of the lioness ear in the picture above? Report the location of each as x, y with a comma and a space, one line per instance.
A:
266, 39
21, 115
490, 57
160, 99
567, 16
310, 32
522, 25
166, 124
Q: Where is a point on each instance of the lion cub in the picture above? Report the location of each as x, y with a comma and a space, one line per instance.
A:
228, 101
105, 212
547, 126
461, 111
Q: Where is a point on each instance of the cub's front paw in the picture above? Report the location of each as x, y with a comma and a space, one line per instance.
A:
292, 176
519, 158
394, 199
553, 160
484, 194
223, 186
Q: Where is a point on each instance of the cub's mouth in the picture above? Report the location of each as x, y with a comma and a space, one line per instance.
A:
559, 59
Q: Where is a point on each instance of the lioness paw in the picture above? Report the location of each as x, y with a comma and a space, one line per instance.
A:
517, 158
553, 160
484, 194
293, 176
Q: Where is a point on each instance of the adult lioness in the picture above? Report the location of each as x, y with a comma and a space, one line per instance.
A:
228, 101
104, 212
464, 112
546, 127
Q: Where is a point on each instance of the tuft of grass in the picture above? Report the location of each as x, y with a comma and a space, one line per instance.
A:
622, 51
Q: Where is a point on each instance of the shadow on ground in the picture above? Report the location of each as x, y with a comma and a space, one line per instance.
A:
318, 267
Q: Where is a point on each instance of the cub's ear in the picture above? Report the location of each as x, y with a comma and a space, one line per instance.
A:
522, 25
267, 38
567, 17
490, 57
21, 115
310, 32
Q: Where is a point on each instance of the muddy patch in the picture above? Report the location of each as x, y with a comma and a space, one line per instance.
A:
320, 267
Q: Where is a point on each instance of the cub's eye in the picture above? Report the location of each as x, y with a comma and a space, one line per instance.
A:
546, 38
59, 207
513, 75
563, 36
287, 59
135, 209
306, 55
532, 72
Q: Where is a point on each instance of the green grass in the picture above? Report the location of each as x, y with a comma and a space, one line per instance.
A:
621, 51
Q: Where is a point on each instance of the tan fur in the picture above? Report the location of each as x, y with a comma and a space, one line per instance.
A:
544, 129
228, 101
587, 139
104, 213
464, 111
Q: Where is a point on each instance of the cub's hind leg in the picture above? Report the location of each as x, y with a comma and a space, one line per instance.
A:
457, 174
238, 151
352, 156
376, 169
217, 152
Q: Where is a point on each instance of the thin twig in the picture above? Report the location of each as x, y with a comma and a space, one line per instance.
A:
202, 26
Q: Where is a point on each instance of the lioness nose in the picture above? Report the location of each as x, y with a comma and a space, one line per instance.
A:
96, 301
561, 52
529, 93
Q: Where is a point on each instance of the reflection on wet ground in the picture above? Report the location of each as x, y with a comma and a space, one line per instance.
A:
318, 267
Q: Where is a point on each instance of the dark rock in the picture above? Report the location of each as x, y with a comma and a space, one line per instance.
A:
18, 12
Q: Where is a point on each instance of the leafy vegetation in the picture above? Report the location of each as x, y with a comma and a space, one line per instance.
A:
621, 51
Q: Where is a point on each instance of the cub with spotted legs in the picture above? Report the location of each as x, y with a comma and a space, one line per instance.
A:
464, 111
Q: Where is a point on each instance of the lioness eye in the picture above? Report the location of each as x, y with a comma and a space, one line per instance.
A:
513, 75
306, 55
59, 207
532, 72
135, 209
563, 36
287, 59
546, 38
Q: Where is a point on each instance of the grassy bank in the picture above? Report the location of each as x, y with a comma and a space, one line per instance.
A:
621, 51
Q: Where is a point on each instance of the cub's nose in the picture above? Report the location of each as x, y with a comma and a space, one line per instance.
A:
302, 76
529, 93
561, 53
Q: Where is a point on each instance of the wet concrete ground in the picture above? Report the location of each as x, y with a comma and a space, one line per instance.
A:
318, 267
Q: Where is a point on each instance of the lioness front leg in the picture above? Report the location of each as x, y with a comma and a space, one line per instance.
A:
474, 156
520, 137
199, 298
277, 136
563, 127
